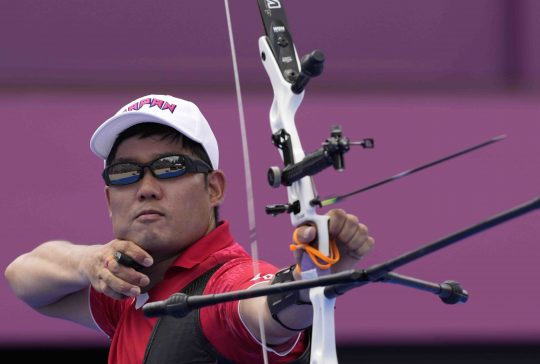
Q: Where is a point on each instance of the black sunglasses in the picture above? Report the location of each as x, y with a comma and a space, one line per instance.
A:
169, 166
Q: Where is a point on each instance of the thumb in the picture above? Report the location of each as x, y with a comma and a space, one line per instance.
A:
306, 234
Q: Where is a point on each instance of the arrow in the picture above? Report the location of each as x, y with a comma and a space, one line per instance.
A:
332, 200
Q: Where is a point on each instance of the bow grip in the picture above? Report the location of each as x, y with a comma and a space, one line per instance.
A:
322, 242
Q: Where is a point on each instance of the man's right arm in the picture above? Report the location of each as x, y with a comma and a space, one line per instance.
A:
55, 277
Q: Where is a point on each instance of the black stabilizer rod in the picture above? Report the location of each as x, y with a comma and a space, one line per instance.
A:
377, 272
180, 304
450, 292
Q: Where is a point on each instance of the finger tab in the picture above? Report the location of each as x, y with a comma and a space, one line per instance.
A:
127, 261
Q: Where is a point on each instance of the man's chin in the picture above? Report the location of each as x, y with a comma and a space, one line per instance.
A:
153, 241
146, 239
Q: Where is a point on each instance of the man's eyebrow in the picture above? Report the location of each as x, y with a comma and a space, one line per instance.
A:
123, 160
154, 157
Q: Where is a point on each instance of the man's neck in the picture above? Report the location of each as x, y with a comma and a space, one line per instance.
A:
157, 272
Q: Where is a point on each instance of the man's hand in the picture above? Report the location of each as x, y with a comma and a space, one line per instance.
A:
109, 277
351, 238
353, 242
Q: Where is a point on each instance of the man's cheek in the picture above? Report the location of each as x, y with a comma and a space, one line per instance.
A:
119, 224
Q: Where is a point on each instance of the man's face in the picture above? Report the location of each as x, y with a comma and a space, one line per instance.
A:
161, 216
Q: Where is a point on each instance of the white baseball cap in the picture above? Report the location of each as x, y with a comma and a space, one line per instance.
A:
179, 114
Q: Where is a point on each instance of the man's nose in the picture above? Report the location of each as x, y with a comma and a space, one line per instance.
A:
149, 187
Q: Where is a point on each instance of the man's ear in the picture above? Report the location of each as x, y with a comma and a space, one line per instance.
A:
108, 198
216, 187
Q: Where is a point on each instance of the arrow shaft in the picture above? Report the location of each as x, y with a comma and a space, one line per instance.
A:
333, 200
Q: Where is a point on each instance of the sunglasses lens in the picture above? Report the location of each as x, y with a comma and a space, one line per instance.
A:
124, 173
169, 167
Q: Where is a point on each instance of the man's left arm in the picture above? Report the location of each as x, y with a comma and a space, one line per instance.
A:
353, 242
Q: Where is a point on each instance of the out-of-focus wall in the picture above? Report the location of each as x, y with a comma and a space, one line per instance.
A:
413, 44
424, 78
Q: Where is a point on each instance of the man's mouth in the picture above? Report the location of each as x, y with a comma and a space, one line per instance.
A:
149, 214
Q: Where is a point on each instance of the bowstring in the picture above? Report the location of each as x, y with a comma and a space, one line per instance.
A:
248, 179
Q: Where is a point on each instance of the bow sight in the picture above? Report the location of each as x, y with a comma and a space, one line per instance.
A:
330, 154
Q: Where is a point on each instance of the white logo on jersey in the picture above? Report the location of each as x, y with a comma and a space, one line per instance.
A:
266, 277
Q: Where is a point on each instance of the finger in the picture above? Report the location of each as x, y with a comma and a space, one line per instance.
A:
358, 243
298, 253
108, 261
116, 284
127, 274
127, 261
363, 249
306, 233
345, 227
103, 288
337, 220
135, 252
359, 236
